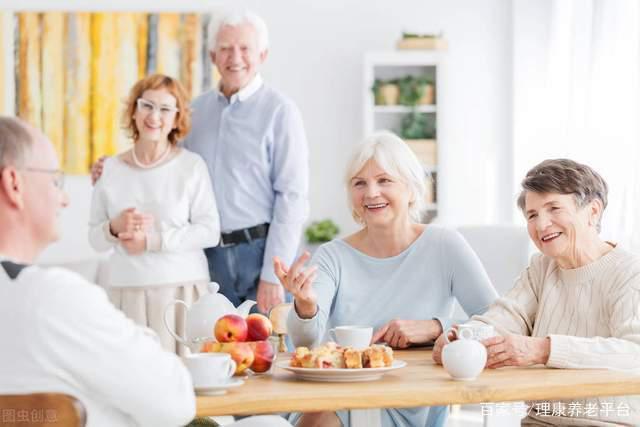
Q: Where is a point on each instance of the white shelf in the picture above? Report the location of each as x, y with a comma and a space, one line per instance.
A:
404, 109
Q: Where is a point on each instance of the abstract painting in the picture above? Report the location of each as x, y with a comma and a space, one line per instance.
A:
69, 73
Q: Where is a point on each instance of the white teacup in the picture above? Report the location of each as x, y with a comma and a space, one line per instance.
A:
209, 369
352, 336
471, 331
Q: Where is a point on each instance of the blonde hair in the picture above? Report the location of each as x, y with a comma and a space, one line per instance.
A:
397, 159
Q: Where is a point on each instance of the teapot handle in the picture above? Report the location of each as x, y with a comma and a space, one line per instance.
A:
170, 328
464, 333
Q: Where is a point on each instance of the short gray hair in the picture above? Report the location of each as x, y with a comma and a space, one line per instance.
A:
397, 159
565, 176
234, 17
16, 142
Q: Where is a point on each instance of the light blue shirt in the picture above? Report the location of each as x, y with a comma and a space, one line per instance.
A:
256, 150
420, 283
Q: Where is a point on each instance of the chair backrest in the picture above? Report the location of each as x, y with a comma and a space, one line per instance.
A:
41, 410
504, 251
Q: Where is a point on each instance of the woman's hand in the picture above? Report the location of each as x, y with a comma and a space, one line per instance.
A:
516, 350
134, 242
403, 333
129, 221
299, 282
96, 169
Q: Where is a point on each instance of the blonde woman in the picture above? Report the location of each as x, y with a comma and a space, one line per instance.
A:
395, 274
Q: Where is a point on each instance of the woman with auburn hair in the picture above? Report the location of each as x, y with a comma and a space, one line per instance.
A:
154, 206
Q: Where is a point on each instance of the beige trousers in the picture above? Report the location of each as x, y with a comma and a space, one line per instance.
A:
146, 305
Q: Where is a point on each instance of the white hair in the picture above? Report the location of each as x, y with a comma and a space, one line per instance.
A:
397, 159
235, 17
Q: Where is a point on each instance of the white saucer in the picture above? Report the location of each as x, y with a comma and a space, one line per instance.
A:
218, 389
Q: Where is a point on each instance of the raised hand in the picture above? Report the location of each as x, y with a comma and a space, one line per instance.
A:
299, 282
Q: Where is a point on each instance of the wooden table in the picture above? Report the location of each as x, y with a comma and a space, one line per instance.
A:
420, 383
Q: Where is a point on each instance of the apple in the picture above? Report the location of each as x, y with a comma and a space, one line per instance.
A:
230, 328
259, 327
263, 356
240, 352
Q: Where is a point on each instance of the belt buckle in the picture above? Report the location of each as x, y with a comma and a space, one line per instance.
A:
247, 235
223, 244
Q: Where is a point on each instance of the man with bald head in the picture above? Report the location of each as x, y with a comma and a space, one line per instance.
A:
59, 332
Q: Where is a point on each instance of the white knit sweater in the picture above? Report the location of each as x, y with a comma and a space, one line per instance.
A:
180, 197
591, 315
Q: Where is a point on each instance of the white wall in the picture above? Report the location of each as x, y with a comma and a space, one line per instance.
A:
316, 59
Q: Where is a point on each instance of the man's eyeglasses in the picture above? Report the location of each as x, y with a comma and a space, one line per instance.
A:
58, 175
148, 107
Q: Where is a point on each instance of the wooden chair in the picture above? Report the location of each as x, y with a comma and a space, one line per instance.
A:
41, 410
278, 316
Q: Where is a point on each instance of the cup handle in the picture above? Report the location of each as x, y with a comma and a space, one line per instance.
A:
332, 335
446, 334
232, 368
170, 328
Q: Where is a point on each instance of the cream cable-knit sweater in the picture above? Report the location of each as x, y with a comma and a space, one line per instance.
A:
592, 316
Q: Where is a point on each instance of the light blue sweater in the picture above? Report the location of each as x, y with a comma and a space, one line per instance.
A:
420, 283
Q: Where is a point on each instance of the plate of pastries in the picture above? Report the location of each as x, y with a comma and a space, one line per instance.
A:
332, 363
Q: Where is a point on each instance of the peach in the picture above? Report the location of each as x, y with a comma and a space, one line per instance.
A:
210, 347
259, 327
240, 352
263, 356
230, 328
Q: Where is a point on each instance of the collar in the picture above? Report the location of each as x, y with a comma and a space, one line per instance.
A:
245, 92
12, 269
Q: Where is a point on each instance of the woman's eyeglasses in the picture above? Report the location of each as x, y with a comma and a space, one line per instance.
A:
148, 107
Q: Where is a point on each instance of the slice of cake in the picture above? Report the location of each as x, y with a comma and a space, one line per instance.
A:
378, 356
352, 358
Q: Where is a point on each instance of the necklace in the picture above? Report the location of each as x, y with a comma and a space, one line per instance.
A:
152, 164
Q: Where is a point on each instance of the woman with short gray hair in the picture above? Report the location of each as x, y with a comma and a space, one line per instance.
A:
394, 274
577, 305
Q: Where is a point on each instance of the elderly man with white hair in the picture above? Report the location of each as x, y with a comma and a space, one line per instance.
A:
253, 140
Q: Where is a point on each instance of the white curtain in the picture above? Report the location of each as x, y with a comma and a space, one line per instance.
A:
587, 107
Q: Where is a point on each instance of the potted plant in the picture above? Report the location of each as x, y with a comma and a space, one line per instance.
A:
415, 90
321, 231
385, 92
419, 133
417, 125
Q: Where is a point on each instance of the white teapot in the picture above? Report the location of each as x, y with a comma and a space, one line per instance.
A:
203, 315
464, 358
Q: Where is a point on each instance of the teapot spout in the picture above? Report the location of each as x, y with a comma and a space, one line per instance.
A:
244, 308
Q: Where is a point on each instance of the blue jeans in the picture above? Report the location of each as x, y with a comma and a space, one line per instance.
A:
237, 269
